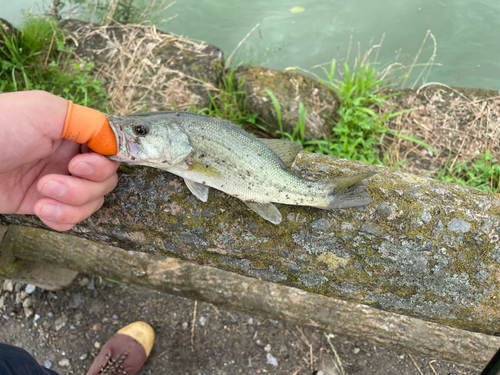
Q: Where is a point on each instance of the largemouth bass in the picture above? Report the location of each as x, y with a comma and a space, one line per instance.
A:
210, 152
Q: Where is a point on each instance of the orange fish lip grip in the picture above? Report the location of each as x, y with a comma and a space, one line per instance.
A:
86, 125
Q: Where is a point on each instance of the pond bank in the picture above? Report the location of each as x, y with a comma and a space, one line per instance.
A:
146, 70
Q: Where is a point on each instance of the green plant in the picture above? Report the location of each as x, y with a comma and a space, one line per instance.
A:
361, 126
17, 50
38, 33
362, 115
299, 131
481, 172
116, 282
36, 58
229, 102
328, 337
77, 83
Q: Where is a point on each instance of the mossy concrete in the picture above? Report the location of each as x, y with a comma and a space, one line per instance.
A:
423, 247
267, 299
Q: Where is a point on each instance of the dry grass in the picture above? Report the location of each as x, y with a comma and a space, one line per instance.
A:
457, 124
138, 76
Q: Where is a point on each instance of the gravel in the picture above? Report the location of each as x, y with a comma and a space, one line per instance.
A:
65, 330
30, 288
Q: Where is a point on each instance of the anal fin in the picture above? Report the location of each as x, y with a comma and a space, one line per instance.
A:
267, 210
199, 190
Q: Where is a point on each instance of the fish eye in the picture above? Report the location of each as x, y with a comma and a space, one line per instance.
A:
141, 130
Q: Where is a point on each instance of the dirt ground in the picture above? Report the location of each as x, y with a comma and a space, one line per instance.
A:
65, 329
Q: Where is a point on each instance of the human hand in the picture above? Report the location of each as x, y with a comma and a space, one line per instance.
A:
55, 179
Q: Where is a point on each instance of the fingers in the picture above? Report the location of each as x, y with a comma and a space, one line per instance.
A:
92, 166
71, 199
75, 191
93, 176
62, 217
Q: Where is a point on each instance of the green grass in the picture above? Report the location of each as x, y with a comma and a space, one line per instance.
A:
35, 59
481, 172
298, 134
229, 102
361, 127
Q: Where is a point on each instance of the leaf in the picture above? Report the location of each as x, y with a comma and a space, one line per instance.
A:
413, 139
297, 10
276, 108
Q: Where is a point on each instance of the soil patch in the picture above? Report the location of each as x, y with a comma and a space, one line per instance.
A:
67, 327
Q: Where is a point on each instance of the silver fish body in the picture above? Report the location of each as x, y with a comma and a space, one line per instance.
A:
210, 152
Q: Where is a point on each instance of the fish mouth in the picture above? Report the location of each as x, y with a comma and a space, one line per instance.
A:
128, 149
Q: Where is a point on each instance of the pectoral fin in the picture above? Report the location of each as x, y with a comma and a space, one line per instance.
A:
199, 190
267, 210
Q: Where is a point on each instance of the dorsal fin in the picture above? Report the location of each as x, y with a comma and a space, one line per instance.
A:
286, 150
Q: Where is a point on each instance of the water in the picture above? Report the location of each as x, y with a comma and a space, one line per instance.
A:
466, 32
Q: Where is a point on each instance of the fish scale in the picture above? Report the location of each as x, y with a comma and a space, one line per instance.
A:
210, 152
250, 169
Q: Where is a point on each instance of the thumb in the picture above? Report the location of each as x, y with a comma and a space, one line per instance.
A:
86, 125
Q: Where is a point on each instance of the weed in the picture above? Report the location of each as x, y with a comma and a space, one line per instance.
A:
481, 171
360, 130
328, 337
299, 131
16, 52
277, 108
123, 285
25, 64
230, 102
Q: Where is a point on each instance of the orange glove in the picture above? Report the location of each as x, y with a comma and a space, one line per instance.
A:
86, 125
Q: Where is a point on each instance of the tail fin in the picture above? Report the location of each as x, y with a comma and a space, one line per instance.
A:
346, 192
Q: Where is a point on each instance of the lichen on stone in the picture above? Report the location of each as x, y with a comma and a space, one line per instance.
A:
312, 280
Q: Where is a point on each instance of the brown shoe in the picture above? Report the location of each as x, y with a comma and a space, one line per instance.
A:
125, 352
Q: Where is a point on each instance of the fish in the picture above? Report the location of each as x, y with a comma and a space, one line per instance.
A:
212, 152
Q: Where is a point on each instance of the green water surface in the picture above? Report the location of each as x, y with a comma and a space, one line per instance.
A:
467, 33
